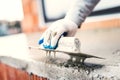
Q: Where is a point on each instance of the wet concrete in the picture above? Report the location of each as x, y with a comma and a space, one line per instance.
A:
103, 43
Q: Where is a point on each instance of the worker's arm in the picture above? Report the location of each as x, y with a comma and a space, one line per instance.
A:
80, 10
73, 19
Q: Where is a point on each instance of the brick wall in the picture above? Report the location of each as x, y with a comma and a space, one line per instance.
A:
10, 73
30, 21
110, 23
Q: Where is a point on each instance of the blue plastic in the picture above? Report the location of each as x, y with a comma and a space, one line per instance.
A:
49, 46
41, 41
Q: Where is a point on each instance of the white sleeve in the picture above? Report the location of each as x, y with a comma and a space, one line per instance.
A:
80, 10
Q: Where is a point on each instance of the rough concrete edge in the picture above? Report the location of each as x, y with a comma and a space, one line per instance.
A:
13, 62
49, 71
54, 72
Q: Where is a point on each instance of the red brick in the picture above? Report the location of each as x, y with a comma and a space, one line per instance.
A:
10, 73
3, 72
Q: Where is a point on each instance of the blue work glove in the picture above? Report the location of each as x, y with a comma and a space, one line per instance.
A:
63, 27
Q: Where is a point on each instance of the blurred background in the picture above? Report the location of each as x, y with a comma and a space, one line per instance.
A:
28, 16
99, 34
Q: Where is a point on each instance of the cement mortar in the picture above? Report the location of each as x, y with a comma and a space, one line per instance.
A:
103, 43
53, 69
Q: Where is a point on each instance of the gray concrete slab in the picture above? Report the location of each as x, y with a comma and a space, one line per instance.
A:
104, 43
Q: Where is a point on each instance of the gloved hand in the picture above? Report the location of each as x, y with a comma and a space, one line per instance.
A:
60, 28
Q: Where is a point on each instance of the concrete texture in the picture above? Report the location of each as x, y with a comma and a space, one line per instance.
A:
104, 43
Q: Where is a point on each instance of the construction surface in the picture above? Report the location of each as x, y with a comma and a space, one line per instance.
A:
103, 43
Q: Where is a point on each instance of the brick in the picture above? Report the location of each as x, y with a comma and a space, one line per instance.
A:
11, 75
3, 72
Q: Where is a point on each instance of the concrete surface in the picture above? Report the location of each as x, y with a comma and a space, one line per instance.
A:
104, 43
